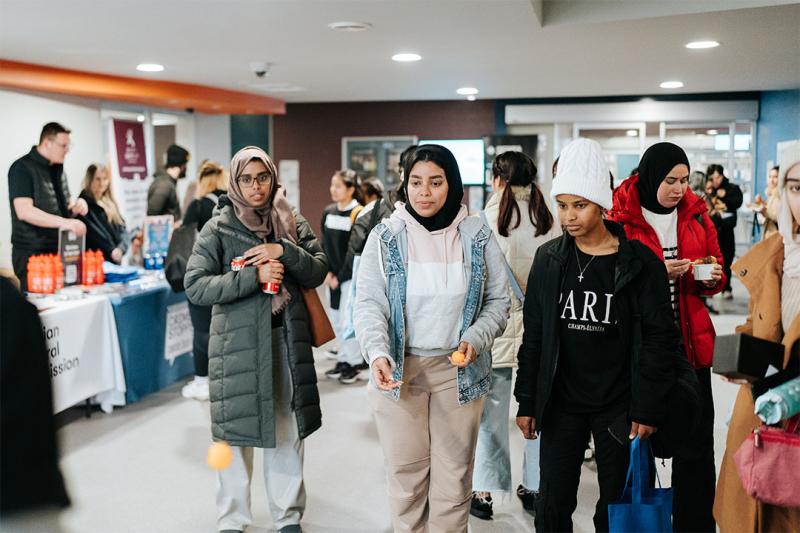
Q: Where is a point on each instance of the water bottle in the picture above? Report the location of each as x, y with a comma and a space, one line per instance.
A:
779, 403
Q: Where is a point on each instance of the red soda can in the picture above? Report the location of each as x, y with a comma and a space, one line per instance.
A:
270, 287
238, 263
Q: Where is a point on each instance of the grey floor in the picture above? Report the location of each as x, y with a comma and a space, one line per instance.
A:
142, 467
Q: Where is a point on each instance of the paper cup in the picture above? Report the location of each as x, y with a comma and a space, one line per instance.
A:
703, 272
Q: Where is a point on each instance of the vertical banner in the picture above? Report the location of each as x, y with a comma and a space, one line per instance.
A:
129, 170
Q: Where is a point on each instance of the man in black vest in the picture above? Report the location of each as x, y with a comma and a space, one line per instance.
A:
162, 197
40, 200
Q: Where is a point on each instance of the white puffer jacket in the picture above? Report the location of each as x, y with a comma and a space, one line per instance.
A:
518, 248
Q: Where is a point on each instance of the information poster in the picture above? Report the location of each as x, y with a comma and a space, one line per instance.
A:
71, 248
130, 176
289, 175
180, 333
157, 233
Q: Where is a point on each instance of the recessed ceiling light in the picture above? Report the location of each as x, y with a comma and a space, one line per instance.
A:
632, 133
466, 91
350, 26
140, 118
672, 85
406, 57
712, 132
472, 97
149, 67
699, 45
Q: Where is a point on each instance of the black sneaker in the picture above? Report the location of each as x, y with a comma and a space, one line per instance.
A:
528, 499
362, 366
349, 375
336, 371
481, 507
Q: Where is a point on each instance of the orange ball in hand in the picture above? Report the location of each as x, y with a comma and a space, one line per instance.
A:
220, 456
458, 357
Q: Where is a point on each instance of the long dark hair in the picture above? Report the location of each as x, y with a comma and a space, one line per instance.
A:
351, 180
517, 169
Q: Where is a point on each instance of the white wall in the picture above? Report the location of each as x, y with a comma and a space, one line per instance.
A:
23, 116
212, 138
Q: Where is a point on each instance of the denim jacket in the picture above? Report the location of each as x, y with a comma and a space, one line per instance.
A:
379, 308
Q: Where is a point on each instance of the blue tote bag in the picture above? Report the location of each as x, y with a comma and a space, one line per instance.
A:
641, 508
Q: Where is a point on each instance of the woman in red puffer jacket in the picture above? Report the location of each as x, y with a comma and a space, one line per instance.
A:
657, 209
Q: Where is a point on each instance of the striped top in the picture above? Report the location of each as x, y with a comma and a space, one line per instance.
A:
790, 300
666, 228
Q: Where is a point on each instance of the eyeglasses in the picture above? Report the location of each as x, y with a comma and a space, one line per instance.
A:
248, 180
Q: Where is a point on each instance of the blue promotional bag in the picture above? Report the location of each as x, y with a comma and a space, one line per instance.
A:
641, 507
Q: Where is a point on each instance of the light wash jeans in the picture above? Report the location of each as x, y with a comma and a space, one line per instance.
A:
349, 352
493, 457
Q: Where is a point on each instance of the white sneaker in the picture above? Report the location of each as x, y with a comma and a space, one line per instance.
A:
196, 389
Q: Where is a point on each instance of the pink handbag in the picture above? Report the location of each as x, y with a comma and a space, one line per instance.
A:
769, 461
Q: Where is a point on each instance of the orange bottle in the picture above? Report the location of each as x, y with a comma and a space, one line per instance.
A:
38, 272
48, 274
91, 269
100, 277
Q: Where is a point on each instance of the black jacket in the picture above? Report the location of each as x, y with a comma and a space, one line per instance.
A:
162, 196
101, 233
642, 305
733, 200
361, 230
31, 477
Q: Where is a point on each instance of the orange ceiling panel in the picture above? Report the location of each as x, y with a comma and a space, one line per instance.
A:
155, 93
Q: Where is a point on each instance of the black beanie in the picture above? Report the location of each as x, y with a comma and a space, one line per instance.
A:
176, 156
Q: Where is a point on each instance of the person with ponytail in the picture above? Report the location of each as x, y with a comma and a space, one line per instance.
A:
337, 223
430, 283
519, 217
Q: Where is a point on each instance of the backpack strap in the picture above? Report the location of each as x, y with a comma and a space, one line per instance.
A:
213, 197
354, 213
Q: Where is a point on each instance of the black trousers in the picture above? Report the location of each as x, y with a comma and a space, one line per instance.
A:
19, 261
201, 322
564, 438
694, 475
727, 245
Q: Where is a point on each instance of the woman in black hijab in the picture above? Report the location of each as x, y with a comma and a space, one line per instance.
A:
657, 208
431, 282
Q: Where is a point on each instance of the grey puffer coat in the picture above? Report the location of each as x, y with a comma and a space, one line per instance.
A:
240, 349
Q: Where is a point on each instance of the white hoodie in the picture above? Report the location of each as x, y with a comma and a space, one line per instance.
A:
436, 286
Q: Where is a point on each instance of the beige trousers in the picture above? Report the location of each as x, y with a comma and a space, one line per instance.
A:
428, 443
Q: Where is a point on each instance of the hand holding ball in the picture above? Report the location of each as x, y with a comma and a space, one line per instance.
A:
220, 456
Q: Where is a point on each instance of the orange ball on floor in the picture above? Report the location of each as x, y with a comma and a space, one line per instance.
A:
220, 456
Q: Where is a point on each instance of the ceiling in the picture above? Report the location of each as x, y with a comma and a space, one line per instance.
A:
505, 48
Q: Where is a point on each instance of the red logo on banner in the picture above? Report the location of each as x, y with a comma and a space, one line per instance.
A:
131, 158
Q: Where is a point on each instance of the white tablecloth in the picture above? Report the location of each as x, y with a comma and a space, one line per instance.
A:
84, 355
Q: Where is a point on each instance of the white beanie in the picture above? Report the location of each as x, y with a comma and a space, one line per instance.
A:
582, 171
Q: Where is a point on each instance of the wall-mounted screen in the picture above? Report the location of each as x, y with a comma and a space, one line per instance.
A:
469, 153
